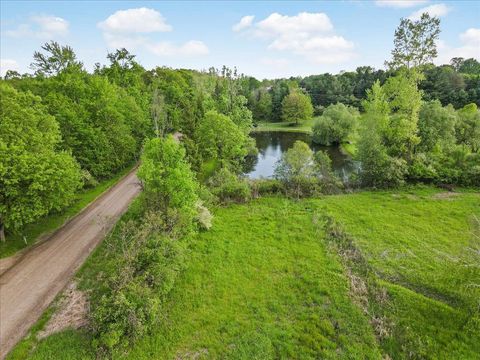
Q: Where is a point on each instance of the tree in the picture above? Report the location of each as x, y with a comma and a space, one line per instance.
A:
263, 105
415, 42
404, 101
169, 183
35, 178
296, 107
296, 169
336, 125
279, 91
56, 59
219, 138
436, 126
381, 165
468, 127
469, 66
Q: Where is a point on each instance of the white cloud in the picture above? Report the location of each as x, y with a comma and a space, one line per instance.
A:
400, 3
244, 23
140, 20
309, 35
437, 10
470, 47
8, 64
190, 48
277, 24
42, 27
132, 28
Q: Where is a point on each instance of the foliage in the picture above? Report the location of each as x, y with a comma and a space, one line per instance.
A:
35, 177
328, 181
228, 187
388, 137
436, 126
336, 125
303, 173
262, 110
219, 138
56, 59
415, 42
296, 170
126, 303
261, 187
168, 182
468, 127
296, 107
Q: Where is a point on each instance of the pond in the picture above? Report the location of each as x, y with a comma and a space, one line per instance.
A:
271, 146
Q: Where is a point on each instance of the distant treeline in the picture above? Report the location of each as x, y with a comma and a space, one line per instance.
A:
457, 84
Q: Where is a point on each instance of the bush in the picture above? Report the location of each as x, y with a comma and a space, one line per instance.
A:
261, 187
328, 181
337, 123
88, 179
228, 187
146, 267
304, 173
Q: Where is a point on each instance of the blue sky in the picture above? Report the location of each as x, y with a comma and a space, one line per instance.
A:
264, 39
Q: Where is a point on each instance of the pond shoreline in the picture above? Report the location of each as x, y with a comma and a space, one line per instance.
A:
272, 145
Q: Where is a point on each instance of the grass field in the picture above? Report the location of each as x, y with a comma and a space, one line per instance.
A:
264, 283
49, 223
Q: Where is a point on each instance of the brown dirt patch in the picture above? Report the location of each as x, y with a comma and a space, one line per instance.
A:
71, 313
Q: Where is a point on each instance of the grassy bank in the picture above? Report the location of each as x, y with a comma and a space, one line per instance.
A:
49, 223
264, 283
304, 127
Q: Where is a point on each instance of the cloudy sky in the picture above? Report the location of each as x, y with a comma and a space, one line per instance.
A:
264, 39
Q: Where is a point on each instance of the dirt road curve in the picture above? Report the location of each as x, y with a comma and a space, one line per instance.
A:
29, 286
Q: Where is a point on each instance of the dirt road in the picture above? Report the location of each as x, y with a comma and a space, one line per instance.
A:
29, 286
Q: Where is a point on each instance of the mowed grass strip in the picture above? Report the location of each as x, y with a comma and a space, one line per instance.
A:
261, 285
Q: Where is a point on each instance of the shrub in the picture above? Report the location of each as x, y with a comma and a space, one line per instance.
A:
228, 187
336, 125
146, 265
88, 179
266, 187
328, 181
204, 217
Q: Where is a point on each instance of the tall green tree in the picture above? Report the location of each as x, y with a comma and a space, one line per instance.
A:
436, 126
468, 127
219, 138
297, 107
169, 183
414, 42
382, 166
55, 59
35, 177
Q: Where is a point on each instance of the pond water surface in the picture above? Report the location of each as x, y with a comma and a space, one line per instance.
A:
271, 146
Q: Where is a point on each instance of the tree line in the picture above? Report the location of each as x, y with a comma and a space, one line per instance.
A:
64, 129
